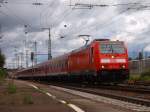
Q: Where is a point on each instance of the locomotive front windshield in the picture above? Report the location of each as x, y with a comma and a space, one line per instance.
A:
112, 48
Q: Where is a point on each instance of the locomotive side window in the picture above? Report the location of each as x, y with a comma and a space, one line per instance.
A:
107, 48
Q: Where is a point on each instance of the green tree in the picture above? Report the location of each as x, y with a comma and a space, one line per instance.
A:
2, 60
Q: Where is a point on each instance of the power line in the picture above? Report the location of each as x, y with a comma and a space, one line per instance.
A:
63, 15
90, 6
104, 24
58, 21
50, 4
1, 36
22, 3
19, 18
113, 18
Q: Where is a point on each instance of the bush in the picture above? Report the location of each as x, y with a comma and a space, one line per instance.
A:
3, 73
145, 76
2, 60
11, 88
145, 73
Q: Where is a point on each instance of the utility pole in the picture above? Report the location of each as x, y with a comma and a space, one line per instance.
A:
21, 59
16, 59
26, 52
1, 36
1, 32
35, 52
49, 43
26, 58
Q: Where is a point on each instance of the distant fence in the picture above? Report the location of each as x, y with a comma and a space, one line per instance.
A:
138, 66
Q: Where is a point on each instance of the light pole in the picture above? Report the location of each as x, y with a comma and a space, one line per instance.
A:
49, 43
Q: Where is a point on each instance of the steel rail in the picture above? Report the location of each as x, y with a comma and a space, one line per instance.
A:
114, 96
94, 90
127, 88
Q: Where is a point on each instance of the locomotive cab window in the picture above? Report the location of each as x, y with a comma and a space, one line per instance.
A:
108, 48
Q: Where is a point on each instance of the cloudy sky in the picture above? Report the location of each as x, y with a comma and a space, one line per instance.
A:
127, 20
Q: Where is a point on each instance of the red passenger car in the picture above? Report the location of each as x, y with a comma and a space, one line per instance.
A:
102, 60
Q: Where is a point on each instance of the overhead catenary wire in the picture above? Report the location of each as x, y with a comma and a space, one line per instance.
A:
111, 22
90, 6
58, 17
16, 19
60, 20
46, 8
51, 14
22, 2
106, 24
65, 14
21, 20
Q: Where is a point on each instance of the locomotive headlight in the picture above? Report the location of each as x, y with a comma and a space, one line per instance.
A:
123, 66
112, 56
105, 60
103, 66
120, 60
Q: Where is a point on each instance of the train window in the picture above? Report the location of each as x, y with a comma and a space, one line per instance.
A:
112, 48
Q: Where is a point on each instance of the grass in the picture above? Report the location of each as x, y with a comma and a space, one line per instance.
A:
11, 88
2, 76
144, 76
28, 99
134, 77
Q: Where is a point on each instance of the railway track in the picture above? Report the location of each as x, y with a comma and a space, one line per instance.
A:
124, 87
119, 87
139, 83
115, 96
129, 94
123, 92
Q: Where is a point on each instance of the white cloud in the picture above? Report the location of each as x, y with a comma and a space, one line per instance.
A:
131, 26
147, 48
137, 22
124, 37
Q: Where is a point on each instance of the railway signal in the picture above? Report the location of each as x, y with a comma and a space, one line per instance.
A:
32, 56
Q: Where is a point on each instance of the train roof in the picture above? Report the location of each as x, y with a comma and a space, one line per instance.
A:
84, 47
101, 40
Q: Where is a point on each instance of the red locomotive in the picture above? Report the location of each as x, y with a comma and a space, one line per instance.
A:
102, 60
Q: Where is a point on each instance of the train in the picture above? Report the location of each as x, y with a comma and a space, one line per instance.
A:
102, 60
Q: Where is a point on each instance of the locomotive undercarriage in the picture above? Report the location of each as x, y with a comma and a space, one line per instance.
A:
106, 76
113, 75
